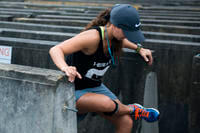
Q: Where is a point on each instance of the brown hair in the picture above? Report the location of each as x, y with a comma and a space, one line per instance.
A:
101, 20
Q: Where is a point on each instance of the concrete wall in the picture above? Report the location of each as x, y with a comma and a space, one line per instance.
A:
32, 100
194, 114
174, 65
174, 70
30, 52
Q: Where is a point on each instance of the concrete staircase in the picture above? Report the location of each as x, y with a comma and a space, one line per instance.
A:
171, 29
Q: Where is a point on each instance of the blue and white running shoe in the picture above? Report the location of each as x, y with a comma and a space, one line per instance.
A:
148, 114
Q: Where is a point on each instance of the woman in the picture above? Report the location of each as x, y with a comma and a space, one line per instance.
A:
92, 52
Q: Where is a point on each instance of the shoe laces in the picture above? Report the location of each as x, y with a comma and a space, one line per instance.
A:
140, 113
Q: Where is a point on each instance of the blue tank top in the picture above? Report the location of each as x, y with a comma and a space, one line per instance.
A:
91, 67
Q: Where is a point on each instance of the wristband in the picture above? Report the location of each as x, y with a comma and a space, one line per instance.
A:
138, 49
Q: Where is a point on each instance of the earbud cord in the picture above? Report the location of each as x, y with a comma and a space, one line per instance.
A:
109, 50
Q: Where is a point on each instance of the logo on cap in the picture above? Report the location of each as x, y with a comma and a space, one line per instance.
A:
137, 25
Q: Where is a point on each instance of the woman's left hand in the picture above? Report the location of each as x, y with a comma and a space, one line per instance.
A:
147, 55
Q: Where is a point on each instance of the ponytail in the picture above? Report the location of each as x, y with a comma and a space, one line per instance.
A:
101, 20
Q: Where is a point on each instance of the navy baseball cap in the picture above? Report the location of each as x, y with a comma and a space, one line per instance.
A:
126, 17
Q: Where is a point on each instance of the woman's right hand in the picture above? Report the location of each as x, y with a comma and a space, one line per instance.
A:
71, 72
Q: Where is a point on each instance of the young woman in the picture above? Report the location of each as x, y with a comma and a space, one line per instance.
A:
90, 54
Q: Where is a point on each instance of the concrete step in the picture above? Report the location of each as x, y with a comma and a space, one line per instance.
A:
79, 14
171, 22
64, 17
40, 27
146, 27
16, 14
51, 6
171, 29
142, 17
184, 1
55, 10
168, 14
161, 17
93, 1
74, 10
153, 21
37, 35
68, 9
191, 4
46, 6
95, 12
86, 8
30, 52
170, 44
27, 43
6, 17
7, 5
84, 22
53, 22
60, 36
171, 36
171, 8
33, 11
72, 29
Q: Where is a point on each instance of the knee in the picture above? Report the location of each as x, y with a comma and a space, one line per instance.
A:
108, 104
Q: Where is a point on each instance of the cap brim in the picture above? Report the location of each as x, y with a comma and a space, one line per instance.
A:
134, 36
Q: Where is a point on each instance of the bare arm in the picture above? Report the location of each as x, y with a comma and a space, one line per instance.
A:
145, 53
80, 42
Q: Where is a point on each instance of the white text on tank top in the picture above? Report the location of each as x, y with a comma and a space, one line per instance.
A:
95, 72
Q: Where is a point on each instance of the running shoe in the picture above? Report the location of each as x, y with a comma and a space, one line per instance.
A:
148, 114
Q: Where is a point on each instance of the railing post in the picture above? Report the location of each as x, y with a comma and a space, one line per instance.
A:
194, 111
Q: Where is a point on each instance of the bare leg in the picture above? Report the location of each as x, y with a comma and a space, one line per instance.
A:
92, 102
123, 123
